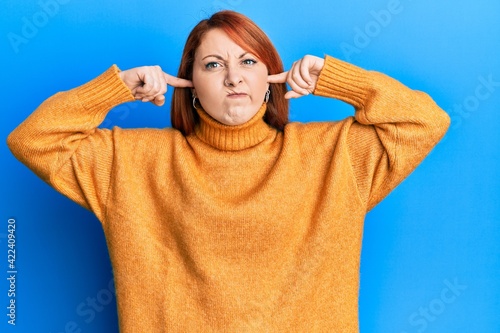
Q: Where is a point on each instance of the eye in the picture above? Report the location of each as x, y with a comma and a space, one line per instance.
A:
249, 62
212, 65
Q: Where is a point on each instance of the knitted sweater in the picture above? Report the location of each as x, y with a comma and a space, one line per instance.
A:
234, 228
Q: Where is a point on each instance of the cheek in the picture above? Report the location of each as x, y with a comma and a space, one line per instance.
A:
204, 86
198, 82
260, 83
262, 74
208, 92
208, 78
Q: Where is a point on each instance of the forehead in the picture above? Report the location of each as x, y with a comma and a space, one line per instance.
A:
216, 41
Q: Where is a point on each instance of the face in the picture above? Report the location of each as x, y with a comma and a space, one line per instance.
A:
229, 82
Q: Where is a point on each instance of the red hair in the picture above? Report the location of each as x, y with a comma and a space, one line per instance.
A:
251, 38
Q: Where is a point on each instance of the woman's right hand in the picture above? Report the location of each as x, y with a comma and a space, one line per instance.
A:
149, 83
302, 77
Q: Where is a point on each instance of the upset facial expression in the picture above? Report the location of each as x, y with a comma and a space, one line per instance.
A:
229, 81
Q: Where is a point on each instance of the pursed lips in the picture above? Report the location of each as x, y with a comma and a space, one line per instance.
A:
235, 94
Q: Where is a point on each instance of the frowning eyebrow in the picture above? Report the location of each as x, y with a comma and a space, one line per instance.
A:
220, 57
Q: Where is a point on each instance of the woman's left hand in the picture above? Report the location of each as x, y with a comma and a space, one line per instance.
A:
302, 77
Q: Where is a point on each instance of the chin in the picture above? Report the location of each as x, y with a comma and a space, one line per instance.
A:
237, 117
235, 121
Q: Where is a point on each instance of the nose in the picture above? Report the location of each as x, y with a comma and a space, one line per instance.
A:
233, 77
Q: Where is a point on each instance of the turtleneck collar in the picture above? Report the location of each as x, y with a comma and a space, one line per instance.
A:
238, 137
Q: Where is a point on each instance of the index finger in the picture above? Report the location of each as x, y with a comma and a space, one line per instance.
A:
177, 82
277, 78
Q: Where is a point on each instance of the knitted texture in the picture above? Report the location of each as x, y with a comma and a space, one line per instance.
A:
234, 228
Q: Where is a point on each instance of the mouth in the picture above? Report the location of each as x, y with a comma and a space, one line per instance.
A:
235, 94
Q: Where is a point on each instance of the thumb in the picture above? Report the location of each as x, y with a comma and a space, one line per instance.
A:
292, 94
158, 100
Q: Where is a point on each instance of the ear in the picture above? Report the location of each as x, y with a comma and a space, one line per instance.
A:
193, 92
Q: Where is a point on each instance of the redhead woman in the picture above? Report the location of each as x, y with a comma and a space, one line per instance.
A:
234, 219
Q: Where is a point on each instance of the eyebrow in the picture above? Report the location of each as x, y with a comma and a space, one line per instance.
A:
220, 57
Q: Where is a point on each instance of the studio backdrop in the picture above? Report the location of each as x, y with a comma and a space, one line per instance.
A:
431, 250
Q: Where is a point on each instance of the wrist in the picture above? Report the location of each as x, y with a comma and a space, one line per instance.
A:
121, 75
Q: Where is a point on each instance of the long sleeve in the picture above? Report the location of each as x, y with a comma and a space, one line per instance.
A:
260, 235
394, 127
61, 143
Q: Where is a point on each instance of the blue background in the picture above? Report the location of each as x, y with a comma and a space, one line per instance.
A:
441, 227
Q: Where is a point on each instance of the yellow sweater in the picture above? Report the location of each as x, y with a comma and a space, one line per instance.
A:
234, 229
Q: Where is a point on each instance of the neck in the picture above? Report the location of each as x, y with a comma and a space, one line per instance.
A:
226, 137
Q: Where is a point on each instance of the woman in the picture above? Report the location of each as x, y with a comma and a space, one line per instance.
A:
234, 220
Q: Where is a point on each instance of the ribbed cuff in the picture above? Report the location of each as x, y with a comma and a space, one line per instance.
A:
104, 92
341, 80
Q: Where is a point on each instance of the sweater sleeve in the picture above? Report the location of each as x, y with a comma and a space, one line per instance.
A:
61, 143
394, 127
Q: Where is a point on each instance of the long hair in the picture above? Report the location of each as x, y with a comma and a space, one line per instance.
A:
251, 38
